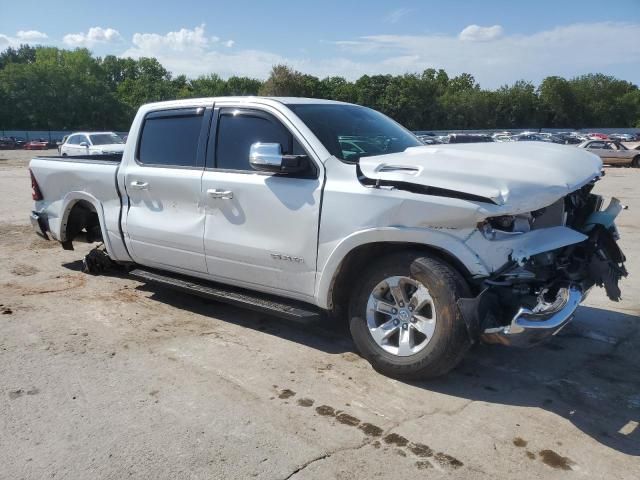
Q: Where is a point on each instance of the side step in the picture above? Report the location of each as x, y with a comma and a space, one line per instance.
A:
289, 309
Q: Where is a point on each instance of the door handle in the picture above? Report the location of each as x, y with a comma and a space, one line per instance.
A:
223, 194
139, 185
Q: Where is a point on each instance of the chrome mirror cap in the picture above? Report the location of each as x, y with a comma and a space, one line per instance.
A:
266, 157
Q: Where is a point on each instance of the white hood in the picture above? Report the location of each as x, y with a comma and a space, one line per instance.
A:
519, 177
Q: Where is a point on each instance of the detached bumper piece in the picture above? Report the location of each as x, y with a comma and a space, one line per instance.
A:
531, 326
40, 224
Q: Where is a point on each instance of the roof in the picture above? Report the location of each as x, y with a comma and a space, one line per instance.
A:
240, 99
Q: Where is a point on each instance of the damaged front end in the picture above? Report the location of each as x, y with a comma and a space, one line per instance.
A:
535, 294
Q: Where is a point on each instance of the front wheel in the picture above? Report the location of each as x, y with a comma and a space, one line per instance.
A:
635, 163
404, 318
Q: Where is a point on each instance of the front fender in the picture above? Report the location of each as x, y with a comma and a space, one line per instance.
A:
330, 256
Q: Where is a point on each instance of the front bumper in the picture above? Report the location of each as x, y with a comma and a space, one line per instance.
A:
529, 327
40, 224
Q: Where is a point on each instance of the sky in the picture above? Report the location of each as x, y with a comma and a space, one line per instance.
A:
498, 42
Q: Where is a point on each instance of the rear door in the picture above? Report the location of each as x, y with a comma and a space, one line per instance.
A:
261, 229
165, 220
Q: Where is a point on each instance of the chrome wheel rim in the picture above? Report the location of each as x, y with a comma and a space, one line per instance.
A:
401, 316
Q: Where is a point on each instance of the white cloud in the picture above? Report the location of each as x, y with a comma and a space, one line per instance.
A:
92, 37
21, 37
476, 33
398, 14
569, 50
488, 53
31, 35
193, 52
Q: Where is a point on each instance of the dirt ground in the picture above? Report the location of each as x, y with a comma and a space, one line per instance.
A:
105, 377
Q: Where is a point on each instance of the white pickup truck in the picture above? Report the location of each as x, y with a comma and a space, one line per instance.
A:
299, 206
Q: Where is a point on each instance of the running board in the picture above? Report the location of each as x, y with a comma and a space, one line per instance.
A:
289, 309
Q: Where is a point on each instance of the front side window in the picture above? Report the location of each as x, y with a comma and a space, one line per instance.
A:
350, 132
105, 139
170, 140
73, 140
238, 130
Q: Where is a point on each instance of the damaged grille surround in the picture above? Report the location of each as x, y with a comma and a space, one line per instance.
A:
531, 298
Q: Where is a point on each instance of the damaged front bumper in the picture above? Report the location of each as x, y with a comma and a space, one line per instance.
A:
548, 274
531, 326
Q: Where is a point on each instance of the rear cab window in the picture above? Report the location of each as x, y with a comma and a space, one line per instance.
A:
172, 138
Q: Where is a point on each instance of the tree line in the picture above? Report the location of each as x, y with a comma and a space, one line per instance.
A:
57, 89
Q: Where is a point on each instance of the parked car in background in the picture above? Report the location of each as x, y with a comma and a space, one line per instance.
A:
529, 137
39, 144
622, 137
429, 139
597, 136
92, 143
62, 142
612, 153
7, 143
20, 142
469, 138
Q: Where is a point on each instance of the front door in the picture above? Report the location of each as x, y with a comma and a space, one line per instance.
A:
165, 221
261, 229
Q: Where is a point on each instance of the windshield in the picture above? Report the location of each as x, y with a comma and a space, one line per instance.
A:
351, 132
105, 139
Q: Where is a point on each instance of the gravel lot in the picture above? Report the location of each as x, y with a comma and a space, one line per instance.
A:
105, 377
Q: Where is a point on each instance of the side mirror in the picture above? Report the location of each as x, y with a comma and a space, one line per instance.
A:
268, 157
84, 144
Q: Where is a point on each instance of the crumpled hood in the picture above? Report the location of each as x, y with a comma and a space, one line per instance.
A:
518, 177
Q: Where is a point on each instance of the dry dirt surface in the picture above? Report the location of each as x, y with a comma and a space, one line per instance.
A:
106, 377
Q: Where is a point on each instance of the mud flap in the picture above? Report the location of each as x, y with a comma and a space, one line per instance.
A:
479, 312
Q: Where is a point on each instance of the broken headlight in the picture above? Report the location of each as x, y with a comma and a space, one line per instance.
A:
505, 225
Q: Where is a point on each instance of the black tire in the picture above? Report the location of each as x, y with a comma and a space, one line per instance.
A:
97, 262
635, 163
450, 339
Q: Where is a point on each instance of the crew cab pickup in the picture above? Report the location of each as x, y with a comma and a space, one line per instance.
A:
300, 206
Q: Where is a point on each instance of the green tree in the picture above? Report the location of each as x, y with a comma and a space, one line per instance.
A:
284, 81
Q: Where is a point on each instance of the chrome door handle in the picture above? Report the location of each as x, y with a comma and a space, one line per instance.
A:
139, 185
224, 194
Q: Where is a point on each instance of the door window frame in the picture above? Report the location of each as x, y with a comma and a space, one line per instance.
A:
205, 112
254, 111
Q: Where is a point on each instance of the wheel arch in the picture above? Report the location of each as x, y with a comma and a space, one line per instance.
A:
342, 267
82, 200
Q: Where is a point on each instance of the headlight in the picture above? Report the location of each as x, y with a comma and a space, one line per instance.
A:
494, 228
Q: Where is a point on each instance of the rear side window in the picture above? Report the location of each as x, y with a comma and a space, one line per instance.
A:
170, 140
238, 131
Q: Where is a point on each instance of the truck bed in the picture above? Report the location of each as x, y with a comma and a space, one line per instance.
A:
110, 158
65, 181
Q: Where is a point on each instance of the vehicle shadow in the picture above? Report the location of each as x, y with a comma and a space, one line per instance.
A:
588, 374
327, 335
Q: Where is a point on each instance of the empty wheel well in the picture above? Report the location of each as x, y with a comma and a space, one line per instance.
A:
356, 260
82, 219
